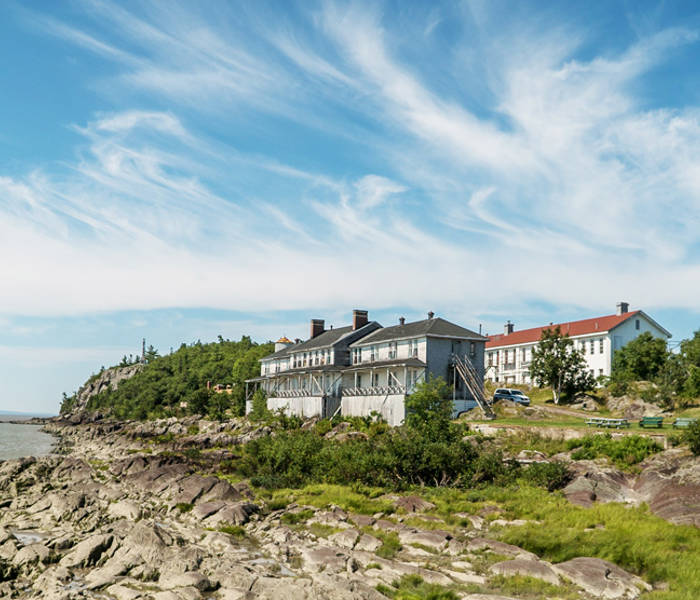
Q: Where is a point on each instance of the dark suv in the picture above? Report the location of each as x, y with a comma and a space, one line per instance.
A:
512, 395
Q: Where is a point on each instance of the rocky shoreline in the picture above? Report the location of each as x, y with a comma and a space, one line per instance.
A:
129, 511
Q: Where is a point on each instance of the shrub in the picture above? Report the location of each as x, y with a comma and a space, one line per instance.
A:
692, 437
624, 452
549, 475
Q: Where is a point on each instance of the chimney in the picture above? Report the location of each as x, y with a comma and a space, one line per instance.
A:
359, 318
297, 340
508, 328
622, 308
317, 327
402, 320
431, 314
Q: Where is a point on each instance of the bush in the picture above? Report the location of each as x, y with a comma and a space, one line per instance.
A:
692, 437
624, 452
549, 475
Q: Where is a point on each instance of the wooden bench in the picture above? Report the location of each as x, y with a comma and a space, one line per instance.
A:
683, 422
604, 422
657, 422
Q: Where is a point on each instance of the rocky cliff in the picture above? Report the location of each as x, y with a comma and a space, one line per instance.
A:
109, 378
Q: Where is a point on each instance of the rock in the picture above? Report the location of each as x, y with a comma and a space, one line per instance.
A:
30, 554
530, 568
413, 504
595, 483
190, 579
87, 552
345, 539
601, 578
368, 543
323, 559
125, 509
362, 520
191, 488
432, 539
500, 548
121, 592
234, 514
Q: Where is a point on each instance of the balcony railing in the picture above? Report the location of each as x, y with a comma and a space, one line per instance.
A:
375, 390
509, 366
294, 393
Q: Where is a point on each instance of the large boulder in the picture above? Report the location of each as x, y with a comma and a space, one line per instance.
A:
87, 552
601, 578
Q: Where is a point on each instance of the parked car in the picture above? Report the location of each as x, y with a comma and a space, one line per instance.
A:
511, 394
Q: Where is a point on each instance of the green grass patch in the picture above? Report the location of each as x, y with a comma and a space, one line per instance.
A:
184, 507
531, 588
391, 545
412, 587
358, 499
294, 518
322, 530
235, 530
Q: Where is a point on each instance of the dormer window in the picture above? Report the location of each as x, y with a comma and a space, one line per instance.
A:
356, 355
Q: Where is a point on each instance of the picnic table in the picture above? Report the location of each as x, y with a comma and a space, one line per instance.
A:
683, 422
657, 422
605, 422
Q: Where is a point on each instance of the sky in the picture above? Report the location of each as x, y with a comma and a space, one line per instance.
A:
178, 171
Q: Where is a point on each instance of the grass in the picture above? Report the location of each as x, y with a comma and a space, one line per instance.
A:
358, 499
624, 452
412, 587
531, 588
391, 545
235, 530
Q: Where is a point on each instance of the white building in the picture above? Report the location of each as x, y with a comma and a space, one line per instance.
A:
365, 368
508, 355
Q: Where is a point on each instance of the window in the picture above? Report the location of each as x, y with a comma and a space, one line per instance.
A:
592, 347
472, 349
375, 379
600, 372
601, 345
583, 347
413, 347
490, 359
356, 355
523, 355
372, 353
392, 350
636, 324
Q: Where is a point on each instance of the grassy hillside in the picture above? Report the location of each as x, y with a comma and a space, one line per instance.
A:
168, 381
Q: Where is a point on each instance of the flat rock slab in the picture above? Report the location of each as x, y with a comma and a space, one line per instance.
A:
500, 548
601, 578
531, 568
87, 552
368, 543
324, 559
345, 539
126, 509
432, 539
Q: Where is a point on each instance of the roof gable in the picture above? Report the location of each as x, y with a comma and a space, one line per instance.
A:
572, 329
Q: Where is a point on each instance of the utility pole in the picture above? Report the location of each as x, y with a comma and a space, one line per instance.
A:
143, 351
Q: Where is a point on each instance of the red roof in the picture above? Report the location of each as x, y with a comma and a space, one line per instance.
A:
573, 328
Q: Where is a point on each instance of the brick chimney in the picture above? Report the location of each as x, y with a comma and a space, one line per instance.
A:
622, 308
359, 318
402, 320
317, 327
508, 328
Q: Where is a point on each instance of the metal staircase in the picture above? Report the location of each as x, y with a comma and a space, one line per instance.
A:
466, 371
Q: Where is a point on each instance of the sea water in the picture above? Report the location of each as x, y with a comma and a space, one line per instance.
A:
22, 440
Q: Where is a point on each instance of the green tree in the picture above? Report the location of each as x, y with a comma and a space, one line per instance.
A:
642, 359
151, 354
690, 355
429, 409
217, 406
557, 363
259, 411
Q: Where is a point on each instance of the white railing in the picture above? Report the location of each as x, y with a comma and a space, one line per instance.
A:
379, 390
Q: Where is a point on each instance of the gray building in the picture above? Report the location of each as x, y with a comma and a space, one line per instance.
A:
365, 368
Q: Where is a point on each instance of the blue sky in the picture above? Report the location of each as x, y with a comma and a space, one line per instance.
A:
179, 171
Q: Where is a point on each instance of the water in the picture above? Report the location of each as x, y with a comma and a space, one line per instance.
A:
22, 440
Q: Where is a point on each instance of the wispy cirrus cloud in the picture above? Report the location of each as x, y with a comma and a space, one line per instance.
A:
321, 141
